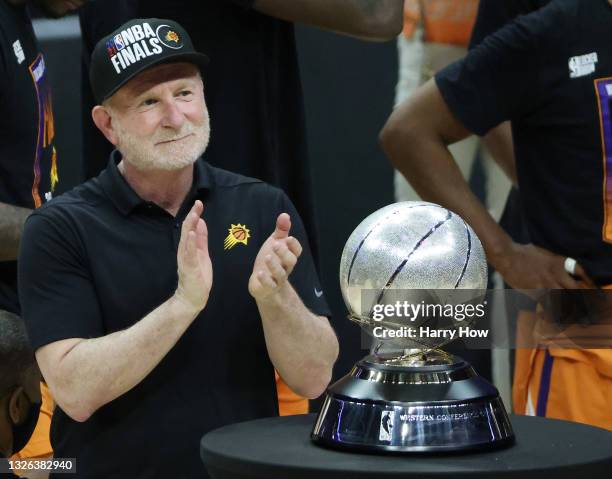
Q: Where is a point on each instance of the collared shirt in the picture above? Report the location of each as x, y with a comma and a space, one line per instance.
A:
99, 258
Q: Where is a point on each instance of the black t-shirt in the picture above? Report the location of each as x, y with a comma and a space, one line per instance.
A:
252, 87
28, 163
494, 14
549, 73
97, 259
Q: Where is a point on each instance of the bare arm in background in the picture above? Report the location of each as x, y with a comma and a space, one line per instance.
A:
12, 219
378, 20
499, 143
415, 139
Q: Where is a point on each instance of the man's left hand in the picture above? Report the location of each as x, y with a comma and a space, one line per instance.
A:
275, 261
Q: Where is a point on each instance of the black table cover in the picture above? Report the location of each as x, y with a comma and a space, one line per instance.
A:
280, 448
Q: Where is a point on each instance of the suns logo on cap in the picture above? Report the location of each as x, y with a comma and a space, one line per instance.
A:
172, 36
168, 37
237, 234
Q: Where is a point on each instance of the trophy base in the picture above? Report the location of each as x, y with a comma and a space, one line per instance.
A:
430, 404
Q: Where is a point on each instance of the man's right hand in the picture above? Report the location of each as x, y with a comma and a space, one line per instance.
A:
531, 267
195, 273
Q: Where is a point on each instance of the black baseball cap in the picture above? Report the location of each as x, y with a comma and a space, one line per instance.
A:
135, 46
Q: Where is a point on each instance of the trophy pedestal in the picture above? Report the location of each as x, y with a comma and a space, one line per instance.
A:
432, 404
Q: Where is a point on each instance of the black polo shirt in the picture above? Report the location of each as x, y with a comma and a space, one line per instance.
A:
98, 258
550, 73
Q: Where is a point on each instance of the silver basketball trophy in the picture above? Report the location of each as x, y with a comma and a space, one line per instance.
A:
408, 395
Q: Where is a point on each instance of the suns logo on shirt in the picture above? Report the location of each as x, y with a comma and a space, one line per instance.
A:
237, 234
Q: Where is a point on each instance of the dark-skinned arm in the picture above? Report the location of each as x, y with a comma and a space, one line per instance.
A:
499, 143
378, 20
12, 219
416, 139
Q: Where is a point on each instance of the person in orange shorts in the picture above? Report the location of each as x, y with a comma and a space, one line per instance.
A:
555, 85
546, 383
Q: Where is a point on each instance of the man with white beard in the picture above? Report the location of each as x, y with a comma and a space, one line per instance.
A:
138, 343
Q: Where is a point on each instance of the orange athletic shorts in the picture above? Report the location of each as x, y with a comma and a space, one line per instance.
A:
560, 382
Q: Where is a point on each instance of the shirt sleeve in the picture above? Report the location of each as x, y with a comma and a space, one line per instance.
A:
499, 79
494, 14
304, 277
57, 296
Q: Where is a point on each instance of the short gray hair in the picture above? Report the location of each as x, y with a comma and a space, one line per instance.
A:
16, 355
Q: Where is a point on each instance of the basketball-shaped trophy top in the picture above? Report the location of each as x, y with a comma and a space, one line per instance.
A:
413, 245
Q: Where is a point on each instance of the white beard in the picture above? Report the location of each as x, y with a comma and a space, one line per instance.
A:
142, 153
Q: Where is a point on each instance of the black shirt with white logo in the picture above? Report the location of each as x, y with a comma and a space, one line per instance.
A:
28, 161
550, 73
98, 259
252, 88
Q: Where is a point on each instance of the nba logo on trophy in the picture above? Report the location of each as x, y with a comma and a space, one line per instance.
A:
386, 425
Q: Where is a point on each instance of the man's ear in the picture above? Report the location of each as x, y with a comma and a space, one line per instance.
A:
16, 406
101, 117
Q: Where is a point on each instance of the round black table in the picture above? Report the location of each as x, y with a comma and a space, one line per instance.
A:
280, 448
